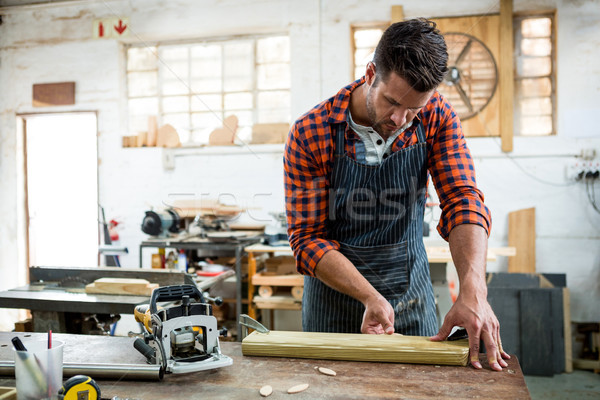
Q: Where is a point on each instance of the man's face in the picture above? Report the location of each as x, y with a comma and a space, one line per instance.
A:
392, 104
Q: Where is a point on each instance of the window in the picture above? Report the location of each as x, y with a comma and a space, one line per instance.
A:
195, 86
535, 81
535, 78
365, 41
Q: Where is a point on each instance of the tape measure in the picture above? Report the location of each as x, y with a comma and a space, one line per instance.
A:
79, 387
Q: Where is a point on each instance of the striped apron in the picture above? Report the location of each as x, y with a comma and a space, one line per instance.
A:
376, 214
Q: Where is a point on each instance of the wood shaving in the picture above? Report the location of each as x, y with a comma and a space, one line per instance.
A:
266, 391
327, 371
298, 388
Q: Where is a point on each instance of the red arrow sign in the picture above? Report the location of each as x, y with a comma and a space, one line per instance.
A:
121, 28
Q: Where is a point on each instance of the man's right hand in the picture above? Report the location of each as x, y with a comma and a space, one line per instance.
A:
378, 317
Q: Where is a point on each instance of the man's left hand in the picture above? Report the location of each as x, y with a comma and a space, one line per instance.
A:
475, 315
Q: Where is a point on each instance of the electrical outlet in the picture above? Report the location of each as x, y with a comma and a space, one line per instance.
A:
579, 170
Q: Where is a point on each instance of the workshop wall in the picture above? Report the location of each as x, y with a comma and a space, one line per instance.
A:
53, 43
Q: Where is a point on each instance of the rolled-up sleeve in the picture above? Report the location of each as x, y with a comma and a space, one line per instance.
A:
453, 174
306, 193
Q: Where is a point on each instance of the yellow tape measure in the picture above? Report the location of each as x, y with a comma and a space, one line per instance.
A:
79, 387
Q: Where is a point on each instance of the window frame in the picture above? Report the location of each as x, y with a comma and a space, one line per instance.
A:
517, 19
221, 114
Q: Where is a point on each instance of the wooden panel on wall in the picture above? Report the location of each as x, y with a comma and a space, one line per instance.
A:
53, 94
486, 29
521, 234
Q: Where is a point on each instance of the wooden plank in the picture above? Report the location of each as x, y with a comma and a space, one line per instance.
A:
278, 280
138, 287
356, 347
521, 235
567, 330
506, 77
397, 13
53, 94
580, 363
278, 303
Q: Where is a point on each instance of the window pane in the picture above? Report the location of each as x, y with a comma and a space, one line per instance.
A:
180, 122
536, 106
206, 85
206, 62
540, 87
273, 76
144, 106
534, 66
206, 102
139, 110
363, 56
176, 104
237, 101
536, 47
141, 58
367, 37
534, 126
273, 50
536, 27
141, 83
174, 53
244, 117
273, 115
276, 99
173, 86
176, 70
206, 121
239, 65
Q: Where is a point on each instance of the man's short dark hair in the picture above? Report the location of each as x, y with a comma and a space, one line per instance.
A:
416, 51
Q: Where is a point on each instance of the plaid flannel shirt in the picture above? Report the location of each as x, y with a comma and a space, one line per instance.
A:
308, 161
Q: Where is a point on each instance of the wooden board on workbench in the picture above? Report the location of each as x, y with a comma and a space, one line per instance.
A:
356, 347
138, 287
278, 280
278, 303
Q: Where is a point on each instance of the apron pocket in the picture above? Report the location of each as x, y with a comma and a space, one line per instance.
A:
385, 267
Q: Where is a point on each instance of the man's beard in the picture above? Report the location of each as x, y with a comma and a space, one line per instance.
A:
377, 126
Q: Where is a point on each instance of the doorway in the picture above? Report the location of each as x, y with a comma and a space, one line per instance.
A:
61, 184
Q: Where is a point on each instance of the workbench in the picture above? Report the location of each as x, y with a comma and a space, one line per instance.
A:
242, 380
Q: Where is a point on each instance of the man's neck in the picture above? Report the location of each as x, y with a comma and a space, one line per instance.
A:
358, 106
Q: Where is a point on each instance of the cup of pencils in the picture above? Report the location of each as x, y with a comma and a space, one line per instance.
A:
38, 368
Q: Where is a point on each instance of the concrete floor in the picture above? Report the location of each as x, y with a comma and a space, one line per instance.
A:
578, 385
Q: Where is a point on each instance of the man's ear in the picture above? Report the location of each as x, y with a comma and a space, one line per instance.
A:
370, 73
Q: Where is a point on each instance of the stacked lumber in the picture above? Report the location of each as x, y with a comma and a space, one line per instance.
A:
356, 347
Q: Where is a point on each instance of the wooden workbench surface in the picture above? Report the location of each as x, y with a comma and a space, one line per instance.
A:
242, 380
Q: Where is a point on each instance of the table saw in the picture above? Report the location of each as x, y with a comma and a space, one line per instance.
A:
244, 378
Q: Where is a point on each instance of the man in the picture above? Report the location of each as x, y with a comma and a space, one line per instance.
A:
356, 171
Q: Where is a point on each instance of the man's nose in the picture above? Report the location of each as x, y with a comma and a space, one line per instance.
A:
399, 116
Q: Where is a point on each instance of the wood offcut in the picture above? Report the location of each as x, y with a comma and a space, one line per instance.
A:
356, 347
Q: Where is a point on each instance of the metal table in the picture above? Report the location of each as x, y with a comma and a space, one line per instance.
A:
56, 295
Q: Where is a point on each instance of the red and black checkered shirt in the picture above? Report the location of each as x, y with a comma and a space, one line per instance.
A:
308, 161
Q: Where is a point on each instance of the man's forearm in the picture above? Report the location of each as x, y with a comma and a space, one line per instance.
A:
468, 246
337, 272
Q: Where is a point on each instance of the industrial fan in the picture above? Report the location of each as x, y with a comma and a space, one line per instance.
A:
472, 75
